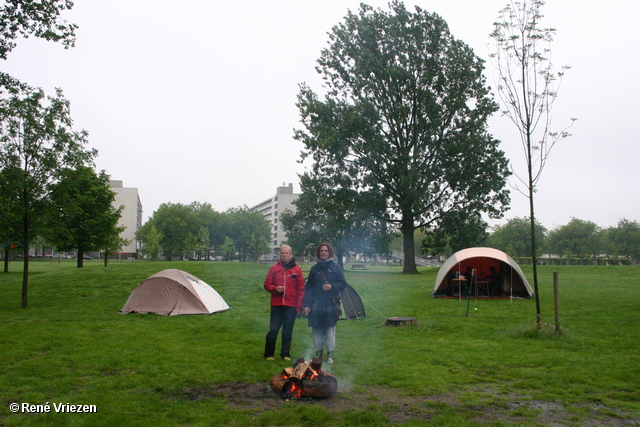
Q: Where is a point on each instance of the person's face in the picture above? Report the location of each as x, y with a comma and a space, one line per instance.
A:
285, 255
323, 253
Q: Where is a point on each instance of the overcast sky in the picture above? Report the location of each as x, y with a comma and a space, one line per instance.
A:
195, 100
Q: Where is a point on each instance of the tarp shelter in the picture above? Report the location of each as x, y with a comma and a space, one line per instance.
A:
509, 280
352, 307
173, 292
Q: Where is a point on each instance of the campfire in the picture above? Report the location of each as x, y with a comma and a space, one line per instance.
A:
305, 379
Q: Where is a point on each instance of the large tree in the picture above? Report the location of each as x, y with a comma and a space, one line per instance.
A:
37, 142
528, 88
82, 216
404, 120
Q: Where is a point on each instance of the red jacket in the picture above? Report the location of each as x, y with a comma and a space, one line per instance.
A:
291, 279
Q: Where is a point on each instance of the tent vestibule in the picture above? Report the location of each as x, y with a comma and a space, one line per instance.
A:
352, 307
481, 272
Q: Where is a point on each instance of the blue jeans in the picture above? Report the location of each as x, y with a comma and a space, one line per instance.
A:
283, 317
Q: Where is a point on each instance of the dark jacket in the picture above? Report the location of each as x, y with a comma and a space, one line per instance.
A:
289, 276
322, 312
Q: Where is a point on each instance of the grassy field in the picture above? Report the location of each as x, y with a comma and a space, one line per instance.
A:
492, 367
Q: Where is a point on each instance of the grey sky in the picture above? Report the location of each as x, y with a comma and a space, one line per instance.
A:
194, 100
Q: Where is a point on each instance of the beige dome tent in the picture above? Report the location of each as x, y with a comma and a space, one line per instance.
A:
505, 280
173, 292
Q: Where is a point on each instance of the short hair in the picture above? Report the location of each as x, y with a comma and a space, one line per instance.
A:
332, 254
286, 247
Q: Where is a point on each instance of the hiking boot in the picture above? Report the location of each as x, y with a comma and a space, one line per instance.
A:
319, 354
330, 357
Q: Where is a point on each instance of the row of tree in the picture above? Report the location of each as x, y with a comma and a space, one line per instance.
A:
198, 231
364, 235
577, 238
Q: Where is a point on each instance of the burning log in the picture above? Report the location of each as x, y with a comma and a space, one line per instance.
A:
305, 379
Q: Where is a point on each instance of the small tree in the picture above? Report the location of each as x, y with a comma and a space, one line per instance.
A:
202, 245
114, 244
151, 240
82, 215
37, 142
528, 89
228, 249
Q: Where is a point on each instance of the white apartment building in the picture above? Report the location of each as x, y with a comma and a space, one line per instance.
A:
272, 209
131, 215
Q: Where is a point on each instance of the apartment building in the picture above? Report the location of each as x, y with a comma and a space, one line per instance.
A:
131, 216
272, 208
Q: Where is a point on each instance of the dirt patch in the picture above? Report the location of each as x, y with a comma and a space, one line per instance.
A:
398, 408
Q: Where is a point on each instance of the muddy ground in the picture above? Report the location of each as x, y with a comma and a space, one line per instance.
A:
398, 408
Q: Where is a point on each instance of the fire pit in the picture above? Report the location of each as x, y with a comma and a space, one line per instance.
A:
304, 379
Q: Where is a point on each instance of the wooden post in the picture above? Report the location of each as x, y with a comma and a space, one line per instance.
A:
556, 301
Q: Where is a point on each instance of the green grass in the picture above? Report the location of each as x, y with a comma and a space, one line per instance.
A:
492, 367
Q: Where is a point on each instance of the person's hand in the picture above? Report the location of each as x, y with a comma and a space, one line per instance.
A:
306, 311
327, 286
279, 289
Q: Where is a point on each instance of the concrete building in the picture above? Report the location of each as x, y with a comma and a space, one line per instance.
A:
131, 216
272, 208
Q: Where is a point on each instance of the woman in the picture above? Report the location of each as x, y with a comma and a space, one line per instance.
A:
325, 282
285, 283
